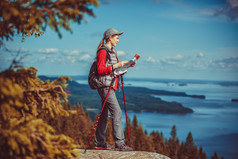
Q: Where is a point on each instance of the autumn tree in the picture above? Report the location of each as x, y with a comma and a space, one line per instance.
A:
182, 153
189, 141
156, 141
202, 155
173, 143
135, 122
23, 98
27, 17
77, 126
139, 138
215, 156
191, 150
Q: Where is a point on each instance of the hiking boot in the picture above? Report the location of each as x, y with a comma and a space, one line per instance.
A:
104, 146
124, 147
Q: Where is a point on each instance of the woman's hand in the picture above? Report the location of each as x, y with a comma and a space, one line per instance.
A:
119, 64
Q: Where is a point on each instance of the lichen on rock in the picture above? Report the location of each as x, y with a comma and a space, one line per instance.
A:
109, 154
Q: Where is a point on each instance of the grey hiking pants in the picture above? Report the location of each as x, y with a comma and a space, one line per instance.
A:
112, 108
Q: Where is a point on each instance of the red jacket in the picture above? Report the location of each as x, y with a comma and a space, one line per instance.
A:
101, 66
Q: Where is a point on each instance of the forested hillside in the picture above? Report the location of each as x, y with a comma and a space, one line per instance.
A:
79, 127
25, 103
37, 121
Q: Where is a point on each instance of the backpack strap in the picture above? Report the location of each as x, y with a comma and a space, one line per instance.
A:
107, 51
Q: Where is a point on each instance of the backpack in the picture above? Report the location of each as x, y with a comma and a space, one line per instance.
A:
93, 76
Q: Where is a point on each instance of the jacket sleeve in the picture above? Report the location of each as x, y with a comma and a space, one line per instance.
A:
101, 66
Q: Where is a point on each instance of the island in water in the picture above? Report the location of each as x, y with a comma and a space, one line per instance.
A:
138, 99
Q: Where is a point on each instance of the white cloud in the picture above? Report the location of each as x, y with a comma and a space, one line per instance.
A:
74, 52
48, 50
178, 59
85, 57
150, 59
228, 63
182, 62
56, 60
73, 60
64, 56
200, 55
198, 65
42, 58
121, 53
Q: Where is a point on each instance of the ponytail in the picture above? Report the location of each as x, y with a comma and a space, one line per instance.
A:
100, 45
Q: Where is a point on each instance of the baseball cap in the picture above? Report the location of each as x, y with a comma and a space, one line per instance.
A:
110, 32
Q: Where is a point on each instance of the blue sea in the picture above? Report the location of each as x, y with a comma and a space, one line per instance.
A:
214, 123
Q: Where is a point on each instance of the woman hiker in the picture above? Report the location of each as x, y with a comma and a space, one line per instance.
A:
108, 61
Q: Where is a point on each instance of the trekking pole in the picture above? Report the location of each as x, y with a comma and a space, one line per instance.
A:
122, 83
95, 125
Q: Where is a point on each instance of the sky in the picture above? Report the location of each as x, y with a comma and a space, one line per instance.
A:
176, 39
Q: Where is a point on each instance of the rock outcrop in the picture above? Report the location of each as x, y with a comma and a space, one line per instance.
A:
108, 154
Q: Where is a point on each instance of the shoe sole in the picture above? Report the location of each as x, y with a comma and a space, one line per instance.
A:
116, 149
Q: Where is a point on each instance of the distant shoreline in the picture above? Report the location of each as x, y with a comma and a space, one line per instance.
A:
138, 99
180, 82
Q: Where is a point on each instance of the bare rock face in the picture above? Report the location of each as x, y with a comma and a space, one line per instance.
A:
109, 154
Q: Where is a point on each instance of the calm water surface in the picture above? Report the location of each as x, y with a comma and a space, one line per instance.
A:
213, 123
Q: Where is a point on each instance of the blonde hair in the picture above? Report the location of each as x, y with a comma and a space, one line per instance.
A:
102, 42
100, 45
